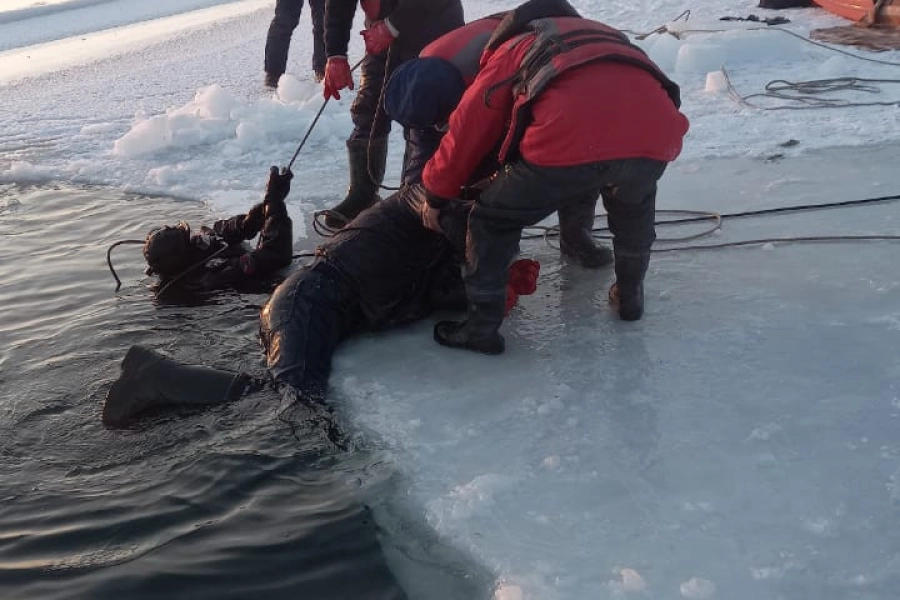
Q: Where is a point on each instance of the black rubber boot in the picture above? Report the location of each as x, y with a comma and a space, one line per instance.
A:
271, 80
479, 332
367, 160
627, 293
151, 381
576, 241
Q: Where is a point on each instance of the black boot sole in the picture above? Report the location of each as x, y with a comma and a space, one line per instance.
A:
627, 310
603, 257
445, 333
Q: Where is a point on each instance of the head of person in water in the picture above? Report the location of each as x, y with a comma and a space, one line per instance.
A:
172, 249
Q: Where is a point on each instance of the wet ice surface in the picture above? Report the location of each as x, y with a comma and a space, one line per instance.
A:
738, 442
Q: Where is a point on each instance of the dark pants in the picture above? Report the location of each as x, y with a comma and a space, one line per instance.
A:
421, 144
523, 194
278, 41
367, 110
301, 326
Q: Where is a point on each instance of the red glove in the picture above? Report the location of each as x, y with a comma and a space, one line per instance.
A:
378, 37
372, 8
523, 275
337, 76
511, 298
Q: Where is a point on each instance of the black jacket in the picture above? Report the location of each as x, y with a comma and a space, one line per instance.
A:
418, 22
384, 269
231, 262
395, 269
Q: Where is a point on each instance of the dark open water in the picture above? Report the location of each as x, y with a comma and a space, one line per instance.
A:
241, 501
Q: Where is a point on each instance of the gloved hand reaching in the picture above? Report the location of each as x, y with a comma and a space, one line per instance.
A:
255, 218
278, 186
430, 207
337, 76
378, 37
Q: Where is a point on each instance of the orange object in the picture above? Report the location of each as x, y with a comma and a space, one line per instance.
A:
849, 9
865, 12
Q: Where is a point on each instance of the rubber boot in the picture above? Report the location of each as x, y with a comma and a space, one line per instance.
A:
271, 80
151, 381
480, 331
367, 160
576, 242
627, 293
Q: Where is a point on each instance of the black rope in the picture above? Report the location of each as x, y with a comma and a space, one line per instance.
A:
806, 93
794, 239
308, 131
319, 225
109, 259
380, 113
661, 29
199, 263
315, 120
800, 207
747, 213
788, 209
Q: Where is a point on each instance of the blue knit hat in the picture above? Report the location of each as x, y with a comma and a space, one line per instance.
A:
423, 92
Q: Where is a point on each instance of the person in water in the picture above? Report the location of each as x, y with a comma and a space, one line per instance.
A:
219, 257
384, 269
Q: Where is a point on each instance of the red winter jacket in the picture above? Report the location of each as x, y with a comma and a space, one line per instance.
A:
603, 110
464, 46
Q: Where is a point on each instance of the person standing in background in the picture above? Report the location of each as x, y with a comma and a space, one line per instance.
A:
396, 31
278, 40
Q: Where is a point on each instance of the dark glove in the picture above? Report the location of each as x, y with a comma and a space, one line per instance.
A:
435, 201
431, 208
279, 185
255, 218
337, 76
377, 37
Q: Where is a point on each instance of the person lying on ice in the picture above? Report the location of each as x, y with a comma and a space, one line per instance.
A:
384, 269
218, 257
577, 112
423, 92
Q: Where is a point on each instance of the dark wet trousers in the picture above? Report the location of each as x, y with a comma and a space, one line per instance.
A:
524, 194
421, 144
278, 40
367, 110
367, 145
369, 120
302, 324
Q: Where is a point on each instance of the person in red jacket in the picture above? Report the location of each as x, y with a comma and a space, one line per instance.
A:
423, 92
578, 111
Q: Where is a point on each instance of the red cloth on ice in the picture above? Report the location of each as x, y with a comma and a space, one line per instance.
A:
523, 276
